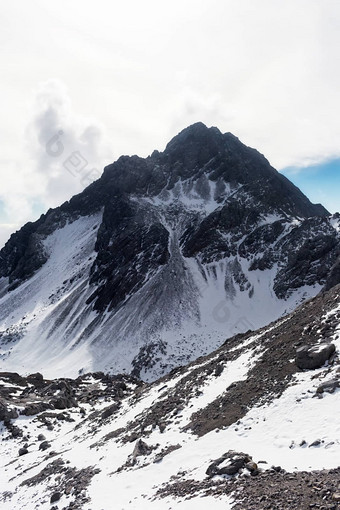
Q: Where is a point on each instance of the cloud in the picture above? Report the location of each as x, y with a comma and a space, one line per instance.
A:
64, 147
266, 71
61, 154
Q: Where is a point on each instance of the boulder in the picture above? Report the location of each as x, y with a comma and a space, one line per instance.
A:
313, 356
63, 402
219, 369
230, 464
252, 467
7, 414
35, 408
140, 449
13, 378
329, 386
55, 497
44, 445
162, 426
36, 379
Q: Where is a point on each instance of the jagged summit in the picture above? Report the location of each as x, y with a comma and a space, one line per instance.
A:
199, 151
162, 259
198, 135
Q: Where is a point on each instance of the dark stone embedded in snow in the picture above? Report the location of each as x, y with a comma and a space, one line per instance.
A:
35, 408
166, 451
311, 357
140, 449
55, 497
328, 386
231, 463
110, 410
44, 445
162, 426
63, 402
218, 370
6, 413
317, 442
23, 451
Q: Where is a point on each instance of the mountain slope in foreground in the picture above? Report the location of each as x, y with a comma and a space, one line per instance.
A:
161, 260
241, 428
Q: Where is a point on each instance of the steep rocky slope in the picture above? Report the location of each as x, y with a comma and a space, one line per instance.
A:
161, 260
244, 427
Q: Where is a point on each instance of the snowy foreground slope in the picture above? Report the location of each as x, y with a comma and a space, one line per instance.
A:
161, 260
114, 442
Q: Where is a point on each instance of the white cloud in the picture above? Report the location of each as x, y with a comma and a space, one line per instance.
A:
58, 158
267, 71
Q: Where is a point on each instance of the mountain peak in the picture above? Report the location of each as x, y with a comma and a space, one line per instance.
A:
197, 133
174, 252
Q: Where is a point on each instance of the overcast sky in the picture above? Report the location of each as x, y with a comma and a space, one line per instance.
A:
84, 82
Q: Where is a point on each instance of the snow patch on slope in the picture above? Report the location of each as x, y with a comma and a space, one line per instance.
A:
49, 308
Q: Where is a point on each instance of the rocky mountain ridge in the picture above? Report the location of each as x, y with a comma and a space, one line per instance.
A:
161, 260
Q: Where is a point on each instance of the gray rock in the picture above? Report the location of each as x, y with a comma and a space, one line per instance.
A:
329, 386
7, 414
140, 449
35, 408
44, 445
317, 442
219, 369
311, 357
110, 410
55, 497
252, 467
162, 426
229, 464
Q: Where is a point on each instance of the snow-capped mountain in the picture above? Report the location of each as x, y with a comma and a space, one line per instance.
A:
161, 260
252, 425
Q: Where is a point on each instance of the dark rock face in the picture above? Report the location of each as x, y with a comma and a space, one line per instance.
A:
311, 357
334, 277
165, 224
195, 155
23, 254
130, 247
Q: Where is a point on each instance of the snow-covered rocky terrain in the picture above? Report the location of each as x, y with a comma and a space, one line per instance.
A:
160, 261
255, 424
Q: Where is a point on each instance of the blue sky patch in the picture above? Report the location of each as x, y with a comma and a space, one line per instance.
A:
321, 183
